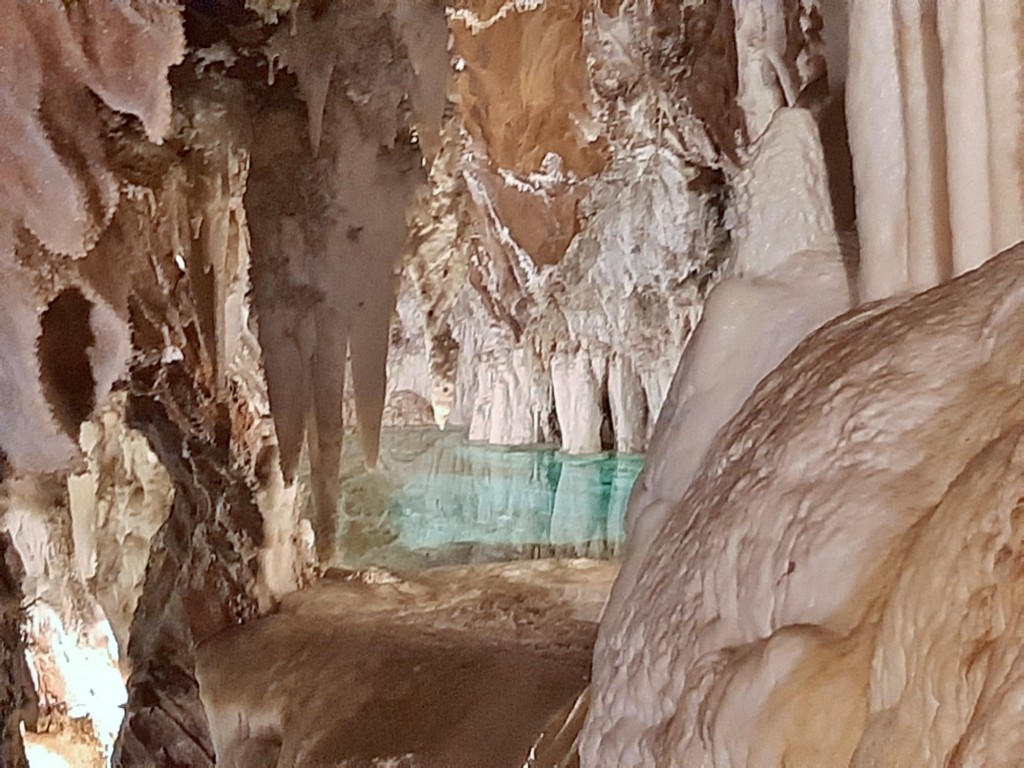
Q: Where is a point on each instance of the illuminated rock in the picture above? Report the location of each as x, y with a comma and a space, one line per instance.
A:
819, 595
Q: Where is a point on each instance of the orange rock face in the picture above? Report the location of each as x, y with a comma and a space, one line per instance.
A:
524, 96
525, 91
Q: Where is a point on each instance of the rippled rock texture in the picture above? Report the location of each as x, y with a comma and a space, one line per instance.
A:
838, 584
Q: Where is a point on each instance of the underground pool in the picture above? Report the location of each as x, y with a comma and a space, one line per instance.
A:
438, 499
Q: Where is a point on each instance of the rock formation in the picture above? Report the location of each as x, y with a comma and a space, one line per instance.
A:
937, 158
787, 278
848, 592
581, 204
844, 464
230, 229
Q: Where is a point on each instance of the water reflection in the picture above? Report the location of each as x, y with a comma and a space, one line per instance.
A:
438, 499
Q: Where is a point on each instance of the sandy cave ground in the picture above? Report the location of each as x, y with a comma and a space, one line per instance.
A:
458, 666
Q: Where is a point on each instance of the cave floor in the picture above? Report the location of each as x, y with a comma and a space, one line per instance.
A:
456, 666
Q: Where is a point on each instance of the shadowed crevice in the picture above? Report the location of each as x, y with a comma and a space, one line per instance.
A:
63, 351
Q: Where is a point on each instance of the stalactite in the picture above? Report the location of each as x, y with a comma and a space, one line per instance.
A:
139, 271
933, 93
343, 245
600, 164
437, 263
284, 292
201, 571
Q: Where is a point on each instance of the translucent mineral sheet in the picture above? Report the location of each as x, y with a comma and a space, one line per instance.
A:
437, 499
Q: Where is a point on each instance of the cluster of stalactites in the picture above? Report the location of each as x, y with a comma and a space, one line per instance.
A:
598, 144
328, 217
934, 113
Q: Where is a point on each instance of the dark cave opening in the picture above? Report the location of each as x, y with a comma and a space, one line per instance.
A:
64, 366
607, 422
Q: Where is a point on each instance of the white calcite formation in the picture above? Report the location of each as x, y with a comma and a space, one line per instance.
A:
56, 61
581, 204
934, 121
786, 279
74, 668
116, 507
840, 583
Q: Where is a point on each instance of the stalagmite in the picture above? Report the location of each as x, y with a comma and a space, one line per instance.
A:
787, 278
930, 95
824, 539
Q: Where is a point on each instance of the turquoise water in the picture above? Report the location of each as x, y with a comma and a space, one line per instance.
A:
438, 499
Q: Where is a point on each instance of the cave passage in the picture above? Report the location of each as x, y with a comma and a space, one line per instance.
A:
651, 255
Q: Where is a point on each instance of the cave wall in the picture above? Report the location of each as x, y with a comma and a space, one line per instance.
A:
66, 72
18, 700
144, 242
835, 619
583, 201
75, 82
